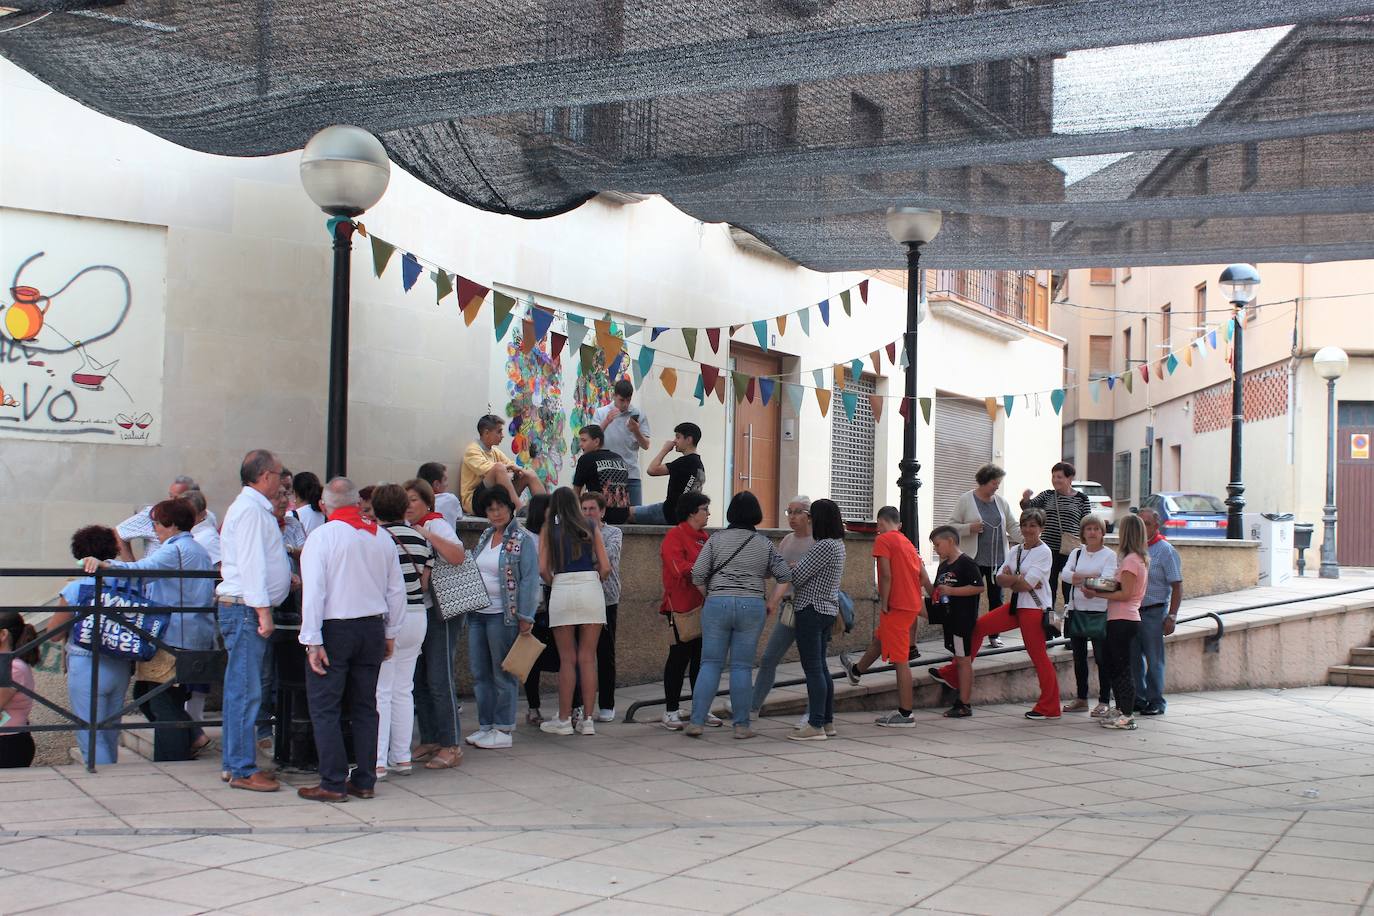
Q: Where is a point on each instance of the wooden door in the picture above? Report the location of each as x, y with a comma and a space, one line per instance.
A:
757, 433
1354, 485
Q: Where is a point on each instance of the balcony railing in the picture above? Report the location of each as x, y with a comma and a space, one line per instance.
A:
1006, 293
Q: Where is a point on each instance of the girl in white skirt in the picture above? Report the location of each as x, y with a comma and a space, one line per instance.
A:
573, 559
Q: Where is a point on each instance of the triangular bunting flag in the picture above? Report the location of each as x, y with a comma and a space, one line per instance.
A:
470, 294
876, 357
1057, 399
892, 352
577, 331
646, 359
609, 343
410, 271
653, 335
793, 394
766, 390
502, 325
710, 374
875, 404
443, 285
823, 400
543, 320
1008, 401
1095, 389
903, 410
925, 409
1126, 378
632, 329
903, 361
617, 366
824, 306
586, 355
1111, 382
720, 388
1144, 370
863, 291
713, 337
850, 400
744, 386
700, 392
558, 340
689, 337
1212, 338
761, 332
668, 379
1188, 356
844, 302
839, 376
856, 369
381, 255
636, 376
819, 376
804, 316
501, 306
1230, 329
991, 405
526, 336
1171, 364
782, 324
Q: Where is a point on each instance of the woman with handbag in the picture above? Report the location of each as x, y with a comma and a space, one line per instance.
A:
1123, 617
435, 693
99, 542
793, 547
1064, 508
731, 570
986, 527
572, 559
682, 601
396, 677
816, 597
508, 559
1087, 618
173, 520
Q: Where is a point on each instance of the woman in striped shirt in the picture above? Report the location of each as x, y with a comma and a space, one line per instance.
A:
730, 570
1064, 508
816, 597
396, 679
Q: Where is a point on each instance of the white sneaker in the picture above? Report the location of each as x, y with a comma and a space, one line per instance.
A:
605, 715
494, 740
713, 721
586, 726
673, 721
475, 739
556, 726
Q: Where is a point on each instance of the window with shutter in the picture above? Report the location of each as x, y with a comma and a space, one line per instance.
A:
963, 444
1099, 356
851, 452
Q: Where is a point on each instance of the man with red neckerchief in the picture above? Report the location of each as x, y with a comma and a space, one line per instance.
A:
352, 606
1158, 613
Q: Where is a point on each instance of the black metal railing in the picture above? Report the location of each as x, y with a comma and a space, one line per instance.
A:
192, 665
1211, 645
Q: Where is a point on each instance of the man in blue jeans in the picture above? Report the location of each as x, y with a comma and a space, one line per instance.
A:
255, 576
1158, 613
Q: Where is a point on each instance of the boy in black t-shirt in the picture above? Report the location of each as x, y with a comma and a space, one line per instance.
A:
958, 585
685, 475
601, 470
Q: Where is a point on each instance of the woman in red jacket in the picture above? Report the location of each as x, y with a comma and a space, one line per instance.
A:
679, 551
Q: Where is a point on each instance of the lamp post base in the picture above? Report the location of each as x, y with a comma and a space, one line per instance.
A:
1330, 569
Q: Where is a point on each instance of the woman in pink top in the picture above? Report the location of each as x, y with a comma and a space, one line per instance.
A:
1123, 618
16, 748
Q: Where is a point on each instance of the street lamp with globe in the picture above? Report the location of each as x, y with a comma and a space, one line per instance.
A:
1330, 363
1241, 281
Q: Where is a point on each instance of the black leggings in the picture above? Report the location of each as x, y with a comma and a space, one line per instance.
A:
994, 590
683, 659
1120, 633
1080, 668
1057, 562
16, 750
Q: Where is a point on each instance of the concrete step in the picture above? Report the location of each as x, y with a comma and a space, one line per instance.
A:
139, 741
1351, 676
1363, 656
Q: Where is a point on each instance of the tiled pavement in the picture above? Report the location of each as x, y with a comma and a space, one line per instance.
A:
1235, 802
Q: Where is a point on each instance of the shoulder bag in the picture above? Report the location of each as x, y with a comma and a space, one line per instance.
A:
162, 667
1068, 542
1048, 618
687, 624
121, 604
457, 590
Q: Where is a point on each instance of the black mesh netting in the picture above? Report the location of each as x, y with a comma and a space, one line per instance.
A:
799, 121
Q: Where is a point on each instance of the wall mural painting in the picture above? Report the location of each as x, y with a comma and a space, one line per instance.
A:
593, 389
537, 421
81, 329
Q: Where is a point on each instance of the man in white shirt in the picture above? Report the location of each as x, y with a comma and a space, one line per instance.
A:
626, 431
353, 603
255, 576
446, 503
139, 526
205, 532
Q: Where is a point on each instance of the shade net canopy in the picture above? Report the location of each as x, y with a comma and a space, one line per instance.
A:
1231, 129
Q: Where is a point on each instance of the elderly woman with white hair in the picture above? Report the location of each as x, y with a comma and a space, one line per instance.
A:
793, 547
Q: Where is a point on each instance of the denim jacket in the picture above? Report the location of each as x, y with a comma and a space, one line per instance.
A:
525, 575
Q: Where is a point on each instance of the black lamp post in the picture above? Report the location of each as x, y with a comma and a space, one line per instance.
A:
1240, 282
1330, 363
345, 171
912, 227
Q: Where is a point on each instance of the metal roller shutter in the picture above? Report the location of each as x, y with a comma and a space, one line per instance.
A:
851, 452
963, 444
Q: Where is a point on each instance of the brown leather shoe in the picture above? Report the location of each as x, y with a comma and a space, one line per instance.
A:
321, 794
357, 792
258, 782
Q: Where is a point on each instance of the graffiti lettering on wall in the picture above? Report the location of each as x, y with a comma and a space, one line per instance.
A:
81, 329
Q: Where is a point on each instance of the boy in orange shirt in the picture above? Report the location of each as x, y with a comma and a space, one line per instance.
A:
902, 579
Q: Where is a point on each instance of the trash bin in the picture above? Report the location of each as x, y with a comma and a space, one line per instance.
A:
1302, 541
1274, 531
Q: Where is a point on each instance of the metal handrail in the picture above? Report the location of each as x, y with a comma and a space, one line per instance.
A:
1211, 645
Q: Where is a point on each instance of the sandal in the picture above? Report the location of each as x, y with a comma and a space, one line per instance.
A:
446, 758
424, 752
200, 745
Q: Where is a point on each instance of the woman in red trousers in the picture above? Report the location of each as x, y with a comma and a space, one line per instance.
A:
1026, 573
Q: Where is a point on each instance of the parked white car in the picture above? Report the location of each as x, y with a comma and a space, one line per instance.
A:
1100, 499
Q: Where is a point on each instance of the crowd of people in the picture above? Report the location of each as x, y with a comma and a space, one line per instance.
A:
383, 589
